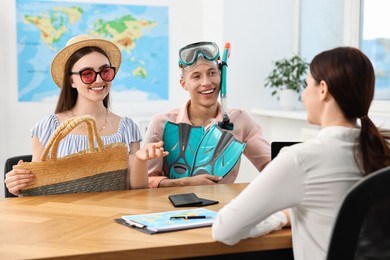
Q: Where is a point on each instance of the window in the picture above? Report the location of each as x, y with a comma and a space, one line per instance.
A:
375, 42
359, 21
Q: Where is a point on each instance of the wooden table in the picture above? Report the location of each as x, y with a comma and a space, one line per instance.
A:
81, 226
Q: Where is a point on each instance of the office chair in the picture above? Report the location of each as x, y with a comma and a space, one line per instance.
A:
8, 167
362, 227
276, 146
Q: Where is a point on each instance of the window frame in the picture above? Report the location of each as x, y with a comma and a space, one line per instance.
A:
352, 30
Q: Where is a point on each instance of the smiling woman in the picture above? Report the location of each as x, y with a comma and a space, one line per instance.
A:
84, 70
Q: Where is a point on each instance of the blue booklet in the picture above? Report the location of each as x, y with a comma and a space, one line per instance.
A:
170, 220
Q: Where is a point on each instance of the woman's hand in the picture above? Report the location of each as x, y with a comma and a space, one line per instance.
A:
17, 179
151, 151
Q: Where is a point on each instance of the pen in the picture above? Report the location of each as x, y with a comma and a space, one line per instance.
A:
189, 217
135, 224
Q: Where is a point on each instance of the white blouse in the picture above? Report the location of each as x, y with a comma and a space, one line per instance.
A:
127, 133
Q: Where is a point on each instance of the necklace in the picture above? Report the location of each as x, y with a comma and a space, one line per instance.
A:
200, 122
81, 127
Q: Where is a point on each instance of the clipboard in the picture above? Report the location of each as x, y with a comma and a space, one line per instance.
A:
127, 224
160, 222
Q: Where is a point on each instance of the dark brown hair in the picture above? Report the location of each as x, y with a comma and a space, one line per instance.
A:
351, 81
68, 95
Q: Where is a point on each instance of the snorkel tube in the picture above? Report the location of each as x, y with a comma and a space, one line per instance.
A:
225, 124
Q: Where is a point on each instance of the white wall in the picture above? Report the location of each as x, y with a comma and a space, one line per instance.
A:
322, 26
259, 32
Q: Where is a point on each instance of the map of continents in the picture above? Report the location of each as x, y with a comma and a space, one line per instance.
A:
141, 32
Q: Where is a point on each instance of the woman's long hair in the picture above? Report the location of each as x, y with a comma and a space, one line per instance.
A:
351, 81
68, 95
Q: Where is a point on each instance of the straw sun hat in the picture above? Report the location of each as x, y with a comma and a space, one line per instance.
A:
76, 43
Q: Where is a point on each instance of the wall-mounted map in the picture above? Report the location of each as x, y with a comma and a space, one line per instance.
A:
141, 32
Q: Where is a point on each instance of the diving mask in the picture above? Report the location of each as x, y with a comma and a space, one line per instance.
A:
190, 53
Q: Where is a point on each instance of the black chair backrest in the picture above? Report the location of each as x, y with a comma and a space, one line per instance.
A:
276, 146
8, 167
362, 227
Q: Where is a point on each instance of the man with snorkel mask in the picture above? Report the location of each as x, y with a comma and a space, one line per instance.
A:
201, 77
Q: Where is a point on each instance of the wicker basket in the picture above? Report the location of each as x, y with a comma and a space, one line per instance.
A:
97, 169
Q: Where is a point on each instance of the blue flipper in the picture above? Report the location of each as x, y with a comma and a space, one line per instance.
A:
217, 153
181, 141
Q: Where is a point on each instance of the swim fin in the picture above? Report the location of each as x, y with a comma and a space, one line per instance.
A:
181, 141
218, 153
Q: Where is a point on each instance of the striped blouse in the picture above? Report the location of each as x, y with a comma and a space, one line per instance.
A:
128, 132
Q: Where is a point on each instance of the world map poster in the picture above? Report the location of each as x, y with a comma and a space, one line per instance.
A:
141, 32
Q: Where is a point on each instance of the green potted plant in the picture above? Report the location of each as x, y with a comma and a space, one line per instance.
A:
287, 78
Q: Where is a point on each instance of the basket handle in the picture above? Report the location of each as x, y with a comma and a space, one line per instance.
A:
65, 128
